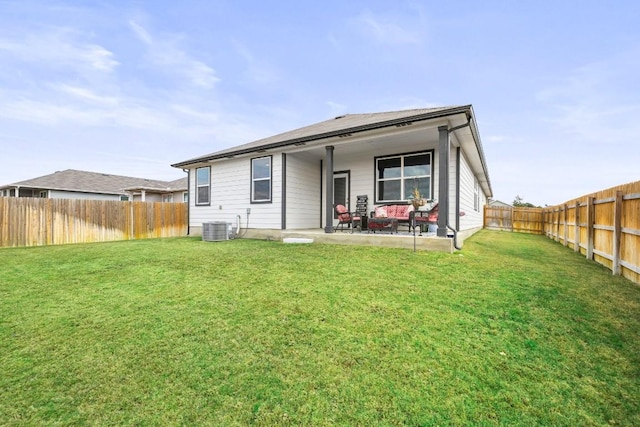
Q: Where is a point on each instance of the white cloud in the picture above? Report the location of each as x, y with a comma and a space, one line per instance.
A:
87, 95
59, 48
589, 104
496, 138
142, 34
258, 70
167, 53
388, 29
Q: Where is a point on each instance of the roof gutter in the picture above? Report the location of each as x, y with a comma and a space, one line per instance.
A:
476, 139
337, 133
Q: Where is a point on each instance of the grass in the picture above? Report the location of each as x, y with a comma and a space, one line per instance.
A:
513, 330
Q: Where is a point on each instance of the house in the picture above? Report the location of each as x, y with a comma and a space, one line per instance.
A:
76, 184
291, 181
499, 204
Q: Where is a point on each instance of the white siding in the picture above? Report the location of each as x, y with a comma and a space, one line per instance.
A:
230, 195
303, 193
472, 218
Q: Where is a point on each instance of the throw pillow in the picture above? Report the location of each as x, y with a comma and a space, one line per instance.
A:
381, 212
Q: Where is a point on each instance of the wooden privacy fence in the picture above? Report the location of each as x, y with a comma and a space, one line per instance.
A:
33, 222
603, 226
521, 220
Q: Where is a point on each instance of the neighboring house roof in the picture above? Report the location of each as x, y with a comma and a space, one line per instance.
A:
499, 204
95, 182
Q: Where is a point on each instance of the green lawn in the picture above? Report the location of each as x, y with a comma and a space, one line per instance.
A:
513, 330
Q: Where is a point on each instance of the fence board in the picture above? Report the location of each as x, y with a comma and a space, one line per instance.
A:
603, 226
35, 222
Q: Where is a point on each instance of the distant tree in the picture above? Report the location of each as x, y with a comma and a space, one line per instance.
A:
519, 202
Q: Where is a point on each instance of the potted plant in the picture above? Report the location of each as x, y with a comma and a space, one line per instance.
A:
416, 198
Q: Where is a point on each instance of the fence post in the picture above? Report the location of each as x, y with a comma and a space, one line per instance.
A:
565, 230
576, 232
617, 232
590, 220
132, 229
558, 225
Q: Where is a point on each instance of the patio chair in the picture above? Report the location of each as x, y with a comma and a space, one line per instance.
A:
345, 217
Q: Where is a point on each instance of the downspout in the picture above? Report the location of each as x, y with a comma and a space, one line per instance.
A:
188, 171
446, 221
458, 188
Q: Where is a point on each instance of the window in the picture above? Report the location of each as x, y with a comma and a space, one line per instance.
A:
203, 186
124, 198
185, 197
167, 198
397, 176
43, 194
261, 180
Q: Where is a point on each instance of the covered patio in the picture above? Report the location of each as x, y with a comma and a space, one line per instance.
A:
403, 239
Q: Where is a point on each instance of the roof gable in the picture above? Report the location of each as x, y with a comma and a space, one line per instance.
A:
340, 125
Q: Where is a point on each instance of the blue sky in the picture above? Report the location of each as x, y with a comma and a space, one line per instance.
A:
129, 87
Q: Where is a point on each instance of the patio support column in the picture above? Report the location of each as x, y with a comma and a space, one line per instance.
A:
443, 180
329, 190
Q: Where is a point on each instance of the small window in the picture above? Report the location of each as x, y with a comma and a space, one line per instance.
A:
203, 186
185, 197
167, 198
261, 180
124, 198
43, 194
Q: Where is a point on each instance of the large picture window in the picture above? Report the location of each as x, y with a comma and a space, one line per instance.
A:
397, 176
203, 186
261, 180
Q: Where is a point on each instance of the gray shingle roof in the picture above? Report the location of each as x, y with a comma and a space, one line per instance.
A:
349, 123
95, 182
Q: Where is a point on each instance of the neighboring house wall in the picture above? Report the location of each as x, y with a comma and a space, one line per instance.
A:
148, 197
57, 194
175, 197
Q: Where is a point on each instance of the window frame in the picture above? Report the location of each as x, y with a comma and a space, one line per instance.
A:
197, 187
269, 179
402, 179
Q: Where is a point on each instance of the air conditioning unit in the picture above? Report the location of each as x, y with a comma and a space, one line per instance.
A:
215, 231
